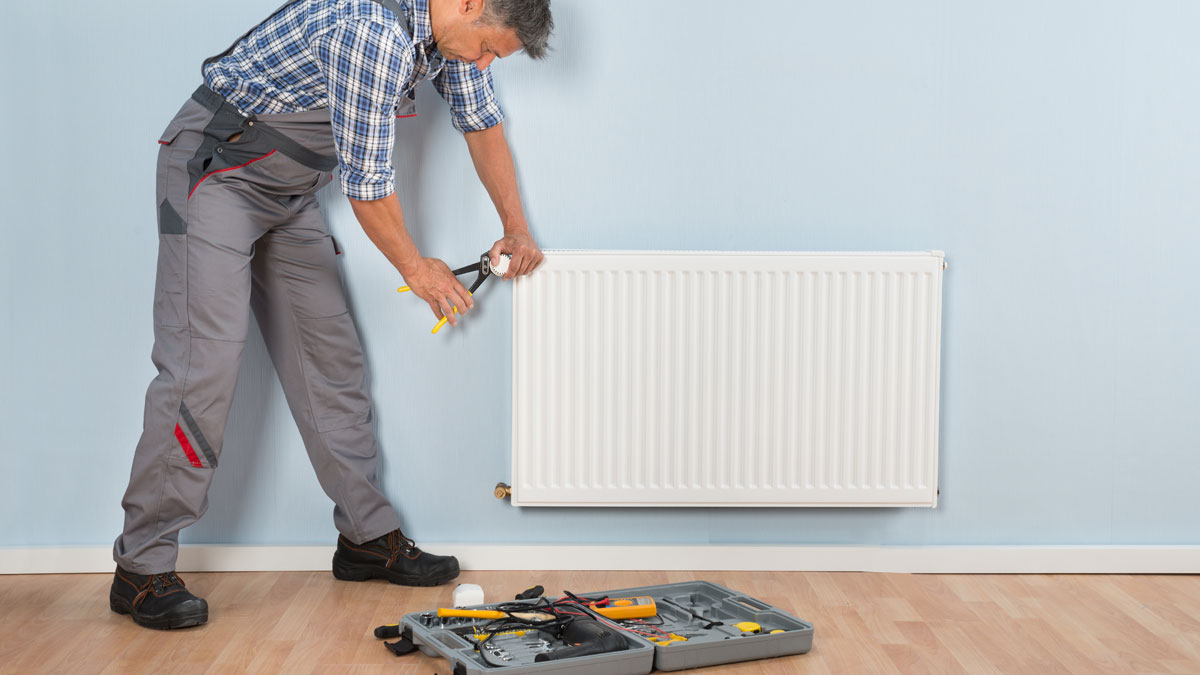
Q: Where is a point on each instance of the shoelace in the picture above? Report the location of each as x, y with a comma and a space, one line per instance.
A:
398, 543
166, 580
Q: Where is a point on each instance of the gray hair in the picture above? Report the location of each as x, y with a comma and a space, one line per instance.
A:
529, 19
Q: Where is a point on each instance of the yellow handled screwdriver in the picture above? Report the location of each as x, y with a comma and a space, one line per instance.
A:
494, 614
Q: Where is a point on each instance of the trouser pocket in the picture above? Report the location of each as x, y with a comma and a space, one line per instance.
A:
170, 293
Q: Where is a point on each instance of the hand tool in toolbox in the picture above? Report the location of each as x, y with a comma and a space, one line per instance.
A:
585, 637
484, 269
569, 631
523, 615
531, 593
611, 608
625, 608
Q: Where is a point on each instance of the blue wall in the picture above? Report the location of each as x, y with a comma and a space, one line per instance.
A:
1051, 149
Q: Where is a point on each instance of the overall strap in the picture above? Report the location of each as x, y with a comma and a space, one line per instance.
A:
245, 35
407, 107
401, 16
394, 6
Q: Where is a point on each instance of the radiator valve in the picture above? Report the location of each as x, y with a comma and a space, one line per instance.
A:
502, 491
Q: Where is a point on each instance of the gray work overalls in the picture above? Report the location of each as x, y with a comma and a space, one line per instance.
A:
239, 227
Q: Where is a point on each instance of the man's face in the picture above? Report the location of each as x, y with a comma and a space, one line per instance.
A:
460, 36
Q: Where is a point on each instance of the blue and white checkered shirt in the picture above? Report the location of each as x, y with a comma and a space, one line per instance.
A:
352, 57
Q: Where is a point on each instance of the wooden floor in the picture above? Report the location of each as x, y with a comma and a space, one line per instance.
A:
306, 622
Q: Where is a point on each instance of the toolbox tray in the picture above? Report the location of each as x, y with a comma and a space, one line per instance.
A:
637, 659
719, 644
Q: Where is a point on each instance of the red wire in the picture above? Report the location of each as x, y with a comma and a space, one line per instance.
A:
656, 629
603, 619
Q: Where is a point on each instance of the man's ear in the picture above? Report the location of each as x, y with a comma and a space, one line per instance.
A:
470, 8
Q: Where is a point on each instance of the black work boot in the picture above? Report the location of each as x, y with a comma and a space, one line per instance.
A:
156, 601
393, 557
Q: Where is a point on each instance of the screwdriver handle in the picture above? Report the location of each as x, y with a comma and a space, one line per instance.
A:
442, 322
472, 613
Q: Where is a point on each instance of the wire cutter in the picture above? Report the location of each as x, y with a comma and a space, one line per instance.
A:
483, 268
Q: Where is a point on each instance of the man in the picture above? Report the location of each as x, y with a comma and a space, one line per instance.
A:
319, 85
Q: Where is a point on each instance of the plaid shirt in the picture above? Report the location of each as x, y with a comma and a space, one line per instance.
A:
352, 57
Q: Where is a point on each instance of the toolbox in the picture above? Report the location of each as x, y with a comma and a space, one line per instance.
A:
695, 624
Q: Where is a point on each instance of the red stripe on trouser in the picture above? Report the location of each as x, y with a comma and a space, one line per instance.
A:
224, 170
187, 447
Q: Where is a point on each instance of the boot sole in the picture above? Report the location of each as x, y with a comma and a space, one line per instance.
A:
345, 571
185, 615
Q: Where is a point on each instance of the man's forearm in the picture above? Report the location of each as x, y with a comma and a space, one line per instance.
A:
383, 221
494, 164
429, 278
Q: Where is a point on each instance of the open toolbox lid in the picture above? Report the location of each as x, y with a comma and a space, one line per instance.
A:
699, 623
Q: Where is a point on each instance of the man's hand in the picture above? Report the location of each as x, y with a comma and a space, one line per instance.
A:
429, 278
493, 163
432, 281
526, 255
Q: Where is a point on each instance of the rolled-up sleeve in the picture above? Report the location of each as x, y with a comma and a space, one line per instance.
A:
362, 62
473, 105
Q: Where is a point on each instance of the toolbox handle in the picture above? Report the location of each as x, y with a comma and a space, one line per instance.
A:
751, 603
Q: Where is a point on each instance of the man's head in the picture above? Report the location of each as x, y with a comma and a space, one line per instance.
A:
481, 31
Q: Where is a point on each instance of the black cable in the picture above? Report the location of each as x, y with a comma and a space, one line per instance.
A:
553, 627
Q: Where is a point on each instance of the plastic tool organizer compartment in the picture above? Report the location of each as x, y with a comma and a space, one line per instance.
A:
698, 624
718, 626
513, 650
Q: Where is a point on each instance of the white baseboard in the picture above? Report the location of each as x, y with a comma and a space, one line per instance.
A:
911, 559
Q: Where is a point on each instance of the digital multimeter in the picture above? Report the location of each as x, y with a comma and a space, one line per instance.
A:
626, 608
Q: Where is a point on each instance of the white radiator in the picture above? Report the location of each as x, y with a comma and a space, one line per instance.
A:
727, 379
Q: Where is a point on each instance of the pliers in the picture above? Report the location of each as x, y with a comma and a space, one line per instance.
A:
483, 268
